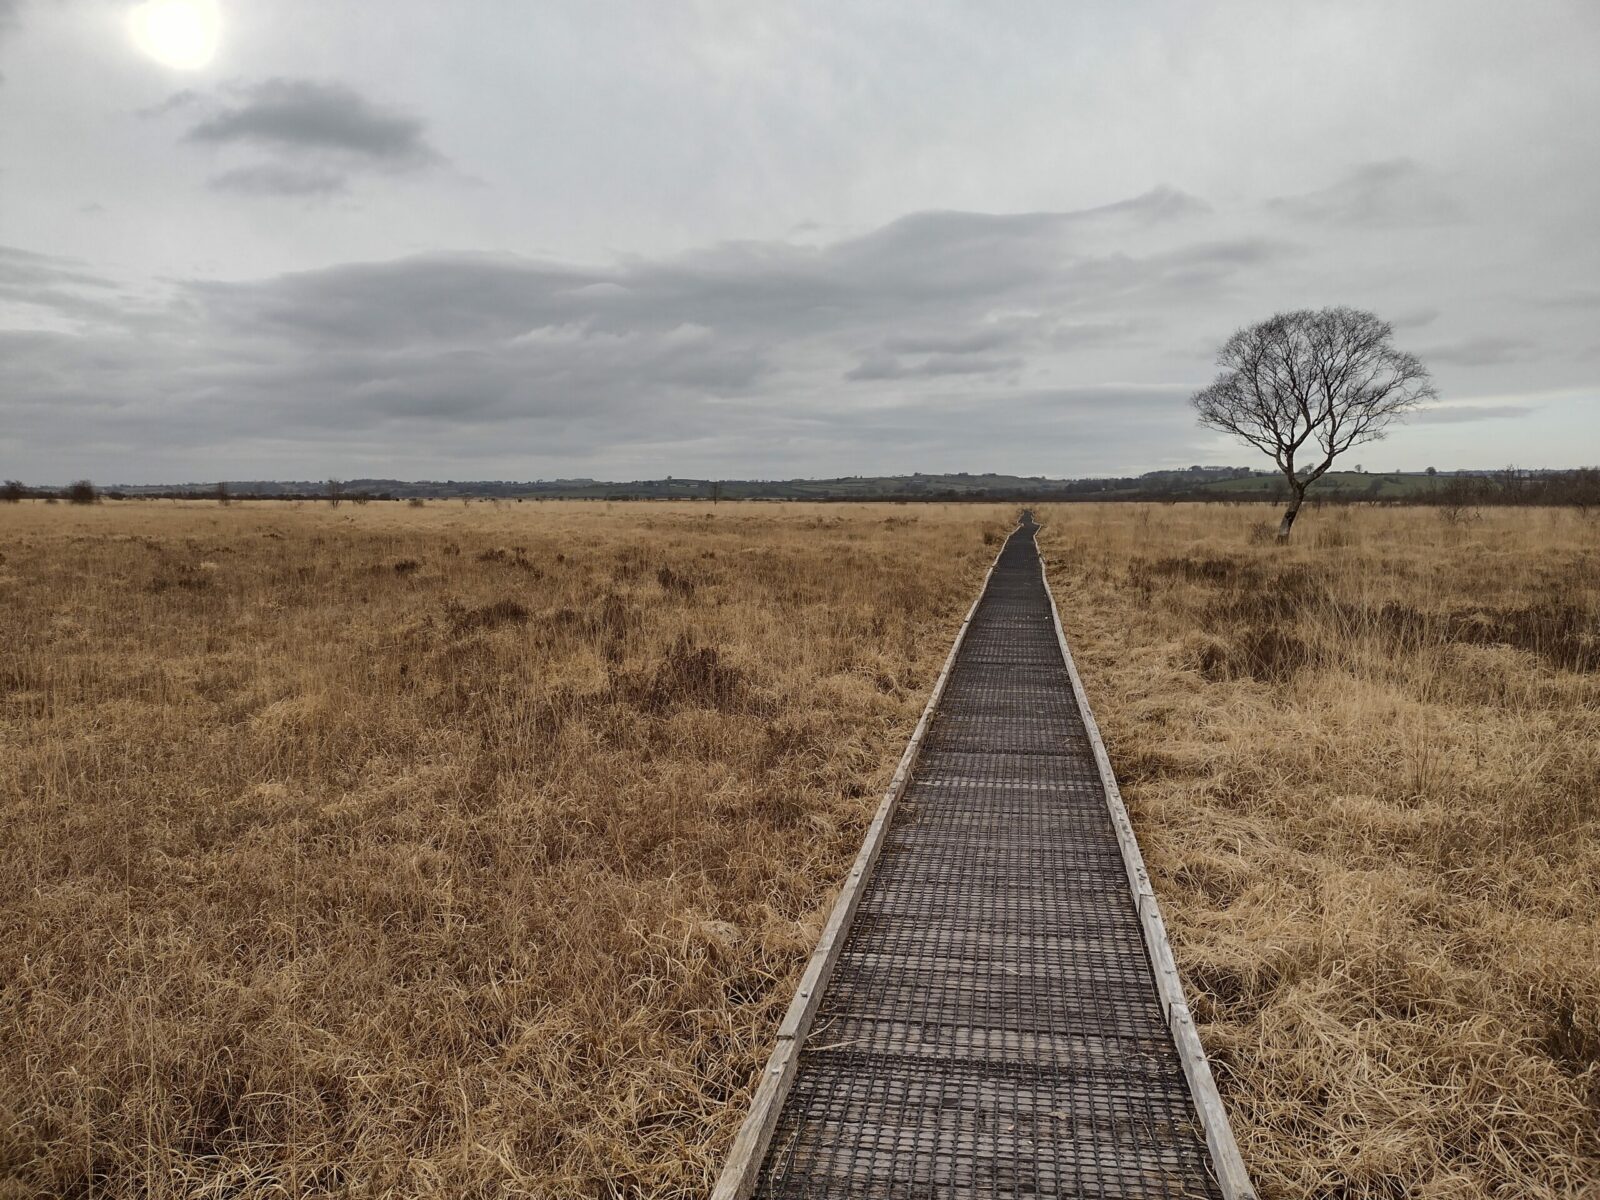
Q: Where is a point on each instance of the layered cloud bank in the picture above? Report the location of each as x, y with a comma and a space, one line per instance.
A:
435, 245
941, 333
941, 339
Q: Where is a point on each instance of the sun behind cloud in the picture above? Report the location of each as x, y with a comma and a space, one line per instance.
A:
182, 34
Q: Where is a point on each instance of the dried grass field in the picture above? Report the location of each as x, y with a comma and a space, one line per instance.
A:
474, 850
456, 851
1365, 772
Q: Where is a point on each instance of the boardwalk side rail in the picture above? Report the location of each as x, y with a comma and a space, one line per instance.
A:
1232, 1176
739, 1173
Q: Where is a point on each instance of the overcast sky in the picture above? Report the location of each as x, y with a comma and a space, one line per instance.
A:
624, 240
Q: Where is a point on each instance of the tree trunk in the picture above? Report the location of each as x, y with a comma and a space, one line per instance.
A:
1289, 514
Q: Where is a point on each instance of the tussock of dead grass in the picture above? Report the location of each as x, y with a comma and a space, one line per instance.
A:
1365, 770
461, 850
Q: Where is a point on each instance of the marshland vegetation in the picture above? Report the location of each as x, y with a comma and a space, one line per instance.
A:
476, 849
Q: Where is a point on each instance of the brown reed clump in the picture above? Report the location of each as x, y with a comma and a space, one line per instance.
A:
1365, 770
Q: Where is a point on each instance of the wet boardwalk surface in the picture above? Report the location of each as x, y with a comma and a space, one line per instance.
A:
991, 1026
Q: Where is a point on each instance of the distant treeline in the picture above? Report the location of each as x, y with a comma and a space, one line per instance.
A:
1578, 488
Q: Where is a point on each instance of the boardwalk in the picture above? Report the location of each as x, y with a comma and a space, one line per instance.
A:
983, 1017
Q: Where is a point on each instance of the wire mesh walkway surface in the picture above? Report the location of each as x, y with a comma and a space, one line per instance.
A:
988, 1015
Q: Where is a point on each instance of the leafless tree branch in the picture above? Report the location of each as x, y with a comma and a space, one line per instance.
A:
1306, 386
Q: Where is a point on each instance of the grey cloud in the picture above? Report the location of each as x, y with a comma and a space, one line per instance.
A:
1577, 297
937, 270
437, 298
304, 114
1068, 334
1189, 271
20, 268
1395, 192
315, 135
1014, 330
1484, 351
1461, 413
273, 179
1158, 205
1239, 252
888, 367
734, 343
952, 343
974, 248
59, 285
989, 424
1417, 318
958, 353
184, 98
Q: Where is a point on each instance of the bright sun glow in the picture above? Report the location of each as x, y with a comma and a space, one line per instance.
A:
178, 33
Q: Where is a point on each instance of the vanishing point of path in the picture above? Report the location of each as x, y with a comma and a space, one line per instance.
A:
993, 1009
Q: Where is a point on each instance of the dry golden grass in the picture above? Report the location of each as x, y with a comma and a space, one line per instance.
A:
474, 850
463, 850
1365, 770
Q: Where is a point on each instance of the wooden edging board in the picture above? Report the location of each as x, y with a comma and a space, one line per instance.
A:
749, 1149
1232, 1176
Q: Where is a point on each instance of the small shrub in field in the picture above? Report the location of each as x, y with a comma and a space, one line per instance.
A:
1454, 513
1330, 537
488, 616
1207, 569
416, 502
517, 556
185, 578
609, 623
689, 675
1272, 654
673, 582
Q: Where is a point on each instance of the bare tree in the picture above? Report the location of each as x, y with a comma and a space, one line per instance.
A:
335, 492
81, 492
12, 491
1303, 387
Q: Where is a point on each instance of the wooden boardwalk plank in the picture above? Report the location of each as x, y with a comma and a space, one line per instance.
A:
993, 1009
